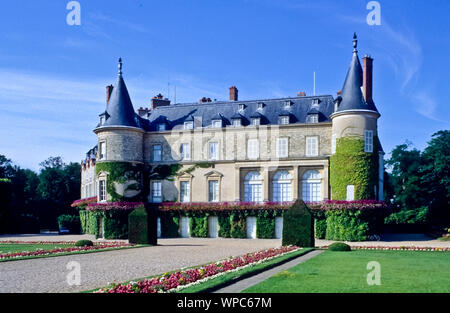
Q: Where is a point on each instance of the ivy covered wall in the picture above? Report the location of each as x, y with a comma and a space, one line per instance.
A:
350, 165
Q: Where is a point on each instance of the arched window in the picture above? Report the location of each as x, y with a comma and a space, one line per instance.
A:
253, 187
312, 186
282, 187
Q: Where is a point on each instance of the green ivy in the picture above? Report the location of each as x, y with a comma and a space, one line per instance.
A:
350, 165
121, 172
265, 227
224, 222
238, 226
198, 226
348, 225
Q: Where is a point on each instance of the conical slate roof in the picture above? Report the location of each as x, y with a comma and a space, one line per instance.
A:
352, 96
119, 108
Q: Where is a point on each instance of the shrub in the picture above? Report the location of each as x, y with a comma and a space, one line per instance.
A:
265, 227
138, 228
224, 226
198, 226
84, 243
413, 216
71, 222
339, 246
320, 223
238, 226
298, 226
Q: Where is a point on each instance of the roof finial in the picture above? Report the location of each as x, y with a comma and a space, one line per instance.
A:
120, 66
355, 43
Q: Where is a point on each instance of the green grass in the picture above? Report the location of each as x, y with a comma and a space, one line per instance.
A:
9, 247
243, 273
22, 247
335, 272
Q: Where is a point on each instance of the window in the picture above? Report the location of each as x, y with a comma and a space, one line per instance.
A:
256, 121
314, 118
188, 125
185, 190
102, 150
213, 150
312, 148
315, 102
311, 186
185, 151
253, 187
236, 122
213, 195
350, 193
284, 120
287, 104
102, 120
216, 123
253, 149
282, 187
282, 148
161, 127
102, 189
368, 141
156, 192
157, 153
333, 144
241, 107
260, 105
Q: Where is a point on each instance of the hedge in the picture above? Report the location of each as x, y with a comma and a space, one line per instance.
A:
198, 226
238, 227
115, 223
298, 226
71, 222
138, 227
265, 227
224, 222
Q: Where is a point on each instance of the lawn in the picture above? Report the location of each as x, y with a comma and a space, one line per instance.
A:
401, 272
22, 247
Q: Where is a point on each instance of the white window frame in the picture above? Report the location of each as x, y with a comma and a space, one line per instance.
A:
157, 156
216, 124
102, 120
189, 125
213, 190
102, 190
282, 186
312, 186
312, 146
260, 105
156, 191
185, 151
185, 191
253, 149
237, 122
314, 118
284, 120
256, 121
102, 150
368, 141
213, 151
282, 147
253, 187
241, 107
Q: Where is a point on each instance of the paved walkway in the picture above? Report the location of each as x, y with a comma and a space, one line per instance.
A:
99, 269
256, 279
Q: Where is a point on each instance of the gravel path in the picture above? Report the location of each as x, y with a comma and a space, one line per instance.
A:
99, 269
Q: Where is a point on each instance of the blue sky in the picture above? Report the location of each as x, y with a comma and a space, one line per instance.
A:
53, 76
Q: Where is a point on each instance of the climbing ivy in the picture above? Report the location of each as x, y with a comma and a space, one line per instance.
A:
169, 171
350, 165
121, 172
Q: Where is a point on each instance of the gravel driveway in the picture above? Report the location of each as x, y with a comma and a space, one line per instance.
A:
99, 269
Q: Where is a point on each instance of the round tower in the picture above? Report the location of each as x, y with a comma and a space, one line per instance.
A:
355, 163
120, 147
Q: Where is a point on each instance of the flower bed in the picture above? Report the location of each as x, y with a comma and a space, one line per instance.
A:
96, 246
401, 248
182, 279
83, 202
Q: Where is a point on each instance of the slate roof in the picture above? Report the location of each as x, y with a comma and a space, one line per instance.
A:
352, 97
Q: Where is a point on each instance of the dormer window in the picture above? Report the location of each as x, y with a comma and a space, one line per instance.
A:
260, 106
256, 121
314, 118
315, 102
284, 120
102, 120
237, 122
161, 127
216, 123
188, 125
287, 104
241, 107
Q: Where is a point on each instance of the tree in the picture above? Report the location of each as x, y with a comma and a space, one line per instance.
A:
6, 168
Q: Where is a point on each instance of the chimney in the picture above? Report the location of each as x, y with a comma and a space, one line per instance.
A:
109, 90
367, 78
301, 94
142, 112
204, 100
158, 101
233, 93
